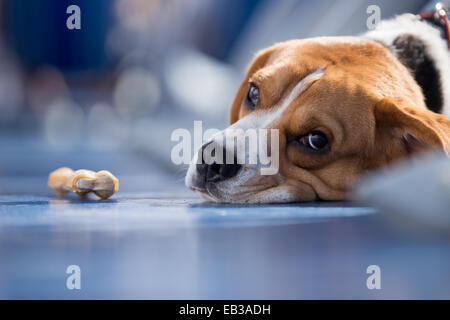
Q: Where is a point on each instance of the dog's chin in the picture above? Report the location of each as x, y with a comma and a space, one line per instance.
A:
203, 193
250, 188
212, 194
277, 194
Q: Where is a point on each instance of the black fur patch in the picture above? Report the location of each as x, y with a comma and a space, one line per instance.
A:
411, 52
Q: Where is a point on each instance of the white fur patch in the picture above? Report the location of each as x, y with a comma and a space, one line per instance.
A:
437, 49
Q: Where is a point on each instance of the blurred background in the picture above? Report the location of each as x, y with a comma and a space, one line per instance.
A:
136, 70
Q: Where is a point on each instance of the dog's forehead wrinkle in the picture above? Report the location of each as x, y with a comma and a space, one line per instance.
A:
272, 71
301, 86
265, 118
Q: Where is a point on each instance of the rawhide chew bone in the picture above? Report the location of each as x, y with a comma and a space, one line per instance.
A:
103, 183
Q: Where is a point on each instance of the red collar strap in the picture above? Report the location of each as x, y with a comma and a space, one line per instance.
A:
439, 17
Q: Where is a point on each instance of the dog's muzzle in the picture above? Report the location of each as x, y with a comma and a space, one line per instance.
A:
215, 172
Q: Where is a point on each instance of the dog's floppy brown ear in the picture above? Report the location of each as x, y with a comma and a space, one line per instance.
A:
258, 62
417, 129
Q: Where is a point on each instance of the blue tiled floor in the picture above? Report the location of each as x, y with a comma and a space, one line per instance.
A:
154, 239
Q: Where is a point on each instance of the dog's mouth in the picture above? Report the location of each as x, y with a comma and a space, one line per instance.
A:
204, 193
242, 194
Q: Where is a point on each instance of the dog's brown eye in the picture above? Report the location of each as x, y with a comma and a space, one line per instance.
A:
316, 141
252, 97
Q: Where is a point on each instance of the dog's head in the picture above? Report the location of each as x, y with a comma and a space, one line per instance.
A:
339, 107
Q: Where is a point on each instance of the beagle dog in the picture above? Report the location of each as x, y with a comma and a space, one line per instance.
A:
341, 106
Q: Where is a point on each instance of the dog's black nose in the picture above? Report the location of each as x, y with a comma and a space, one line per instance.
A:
216, 172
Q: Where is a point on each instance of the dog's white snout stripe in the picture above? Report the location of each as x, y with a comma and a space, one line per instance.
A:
265, 119
300, 87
